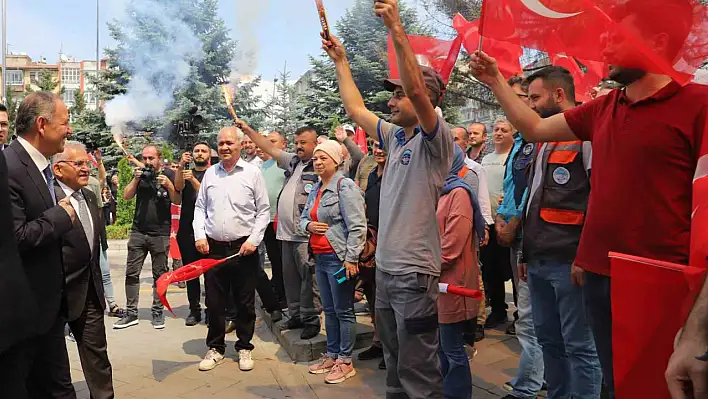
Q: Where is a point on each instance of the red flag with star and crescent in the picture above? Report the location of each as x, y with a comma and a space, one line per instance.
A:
438, 54
507, 54
661, 36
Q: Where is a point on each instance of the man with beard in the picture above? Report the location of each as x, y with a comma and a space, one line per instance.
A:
185, 235
298, 265
478, 148
647, 140
251, 152
558, 196
408, 257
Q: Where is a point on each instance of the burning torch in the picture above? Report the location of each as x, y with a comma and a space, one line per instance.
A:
118, 139
229, 103
323, 19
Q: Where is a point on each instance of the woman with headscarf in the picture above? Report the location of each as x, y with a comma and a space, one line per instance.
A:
334, 216
460, 223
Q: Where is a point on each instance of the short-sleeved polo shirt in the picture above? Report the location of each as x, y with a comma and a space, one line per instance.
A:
413, 178
645, 156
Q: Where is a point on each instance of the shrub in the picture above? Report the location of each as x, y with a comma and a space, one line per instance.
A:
118, 232
125, 209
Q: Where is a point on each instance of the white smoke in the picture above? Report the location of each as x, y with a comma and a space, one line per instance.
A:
248, 13
158, 65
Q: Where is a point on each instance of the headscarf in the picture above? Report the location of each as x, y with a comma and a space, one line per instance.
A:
331, 148
454, 181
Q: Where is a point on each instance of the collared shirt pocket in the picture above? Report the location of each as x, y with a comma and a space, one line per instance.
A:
329, 209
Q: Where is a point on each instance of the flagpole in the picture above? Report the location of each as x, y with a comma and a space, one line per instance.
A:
480, 30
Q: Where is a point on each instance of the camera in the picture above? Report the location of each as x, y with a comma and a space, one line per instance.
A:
148, 178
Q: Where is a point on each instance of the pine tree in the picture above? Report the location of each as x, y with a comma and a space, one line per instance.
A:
79, 104
283, 109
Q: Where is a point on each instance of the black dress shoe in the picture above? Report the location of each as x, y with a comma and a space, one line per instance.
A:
382, 365
374, 352
230, 327
276, 316
495, 319
310, 332
193, 319
293, 324
511, 330
479, 334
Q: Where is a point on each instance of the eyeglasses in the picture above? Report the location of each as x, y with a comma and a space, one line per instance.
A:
78, 164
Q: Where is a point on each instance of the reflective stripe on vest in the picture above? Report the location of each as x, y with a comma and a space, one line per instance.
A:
563, 153
463, 172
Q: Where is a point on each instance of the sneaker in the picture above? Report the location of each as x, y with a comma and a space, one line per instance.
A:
471, 352
310, 332
212, 359
125, 322
230, 327
382, 364
323, 366
70, 337
511, 330
374, 352
245, 360
193, 319
117, 312
276, 316
495, 319
508, 387
182, 285
340, 372
158, 321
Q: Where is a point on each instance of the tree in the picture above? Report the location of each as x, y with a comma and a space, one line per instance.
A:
11, 104
365, 38
79, 104
47, 81
284, 108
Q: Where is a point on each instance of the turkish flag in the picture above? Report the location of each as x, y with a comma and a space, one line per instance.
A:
699, 220
440, 55
360, 139
506, 54
650, 303
659, 36
580, 79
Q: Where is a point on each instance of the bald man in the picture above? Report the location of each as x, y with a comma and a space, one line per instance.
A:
230, 217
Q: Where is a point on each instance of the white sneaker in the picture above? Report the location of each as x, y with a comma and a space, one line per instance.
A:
211, 360
245, 360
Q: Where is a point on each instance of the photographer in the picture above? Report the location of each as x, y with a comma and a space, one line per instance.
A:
154, 189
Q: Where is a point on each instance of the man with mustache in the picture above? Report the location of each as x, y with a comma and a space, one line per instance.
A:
200, 155
298, 265
647, 140
81, 251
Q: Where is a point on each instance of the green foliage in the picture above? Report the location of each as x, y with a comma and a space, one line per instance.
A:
125, 209
365, 38
47, 81
79, 103
11, 104
284, 109
118, 232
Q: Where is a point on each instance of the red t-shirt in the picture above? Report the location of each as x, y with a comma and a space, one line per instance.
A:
319, 243
643, 164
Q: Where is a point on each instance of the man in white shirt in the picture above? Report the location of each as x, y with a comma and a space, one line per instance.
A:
250, 152
230, 217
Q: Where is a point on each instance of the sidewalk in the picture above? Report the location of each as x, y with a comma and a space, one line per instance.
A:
155, 364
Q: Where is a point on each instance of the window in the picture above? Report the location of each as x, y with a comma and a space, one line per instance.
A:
15, 78
68, 96
70, 76
35, 76
90, 98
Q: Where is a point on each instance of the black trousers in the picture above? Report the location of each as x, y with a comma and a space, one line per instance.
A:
90, 333
275, 254
37, 368
237, 279
496, 269
194, 289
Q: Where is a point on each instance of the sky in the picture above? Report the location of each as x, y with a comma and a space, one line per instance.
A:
281, 30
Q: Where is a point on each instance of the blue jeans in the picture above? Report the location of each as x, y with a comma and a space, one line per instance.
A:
338, 304
455, 366
107, 283
569, 355
599, 312
529, 381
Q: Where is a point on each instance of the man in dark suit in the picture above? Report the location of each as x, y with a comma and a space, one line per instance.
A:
37, 366
81, 248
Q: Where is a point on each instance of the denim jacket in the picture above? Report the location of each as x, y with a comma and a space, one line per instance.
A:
343, 210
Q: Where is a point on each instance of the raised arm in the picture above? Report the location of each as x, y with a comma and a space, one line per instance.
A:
411, 76
260, 141
351, 97
533, 127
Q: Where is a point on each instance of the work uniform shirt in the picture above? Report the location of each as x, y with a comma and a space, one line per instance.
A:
413, 178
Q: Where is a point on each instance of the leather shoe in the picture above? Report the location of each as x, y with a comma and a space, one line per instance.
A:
382, 365
293, 324
276, 316
310, 332
230, 327
193, 319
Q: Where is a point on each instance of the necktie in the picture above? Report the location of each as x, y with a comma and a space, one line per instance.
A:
84, 217
49, 175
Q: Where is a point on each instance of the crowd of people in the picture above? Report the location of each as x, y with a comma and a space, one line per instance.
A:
539, 203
